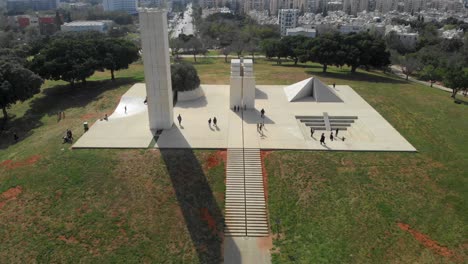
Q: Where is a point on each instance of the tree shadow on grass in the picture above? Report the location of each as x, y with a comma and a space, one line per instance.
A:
55, 99
299, 66
357, 76
201, 212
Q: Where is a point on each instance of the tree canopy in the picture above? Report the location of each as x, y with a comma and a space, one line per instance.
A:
74, 57
16, 82
184, 77
355, 50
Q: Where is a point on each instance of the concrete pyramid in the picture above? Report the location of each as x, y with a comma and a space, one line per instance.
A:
314, 88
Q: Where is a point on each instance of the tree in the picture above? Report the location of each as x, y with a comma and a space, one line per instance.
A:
70, 57
238, 47
16, 84
430, 73
456, 79
409, 64
293, 44
176, 45
325, 50
184, 77
363, 49
116, 54
226, 51
195, 46
252, 47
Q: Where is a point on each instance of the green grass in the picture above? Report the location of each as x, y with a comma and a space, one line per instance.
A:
127, 206
150, 206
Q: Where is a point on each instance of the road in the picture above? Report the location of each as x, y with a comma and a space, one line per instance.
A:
185, 25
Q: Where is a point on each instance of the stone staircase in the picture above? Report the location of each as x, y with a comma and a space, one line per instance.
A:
245, 197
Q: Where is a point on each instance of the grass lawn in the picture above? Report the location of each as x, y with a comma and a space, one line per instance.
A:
59, 205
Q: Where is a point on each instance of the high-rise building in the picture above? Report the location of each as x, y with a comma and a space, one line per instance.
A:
385, 6
258, 5
129, 6
415, 5
287, 18
36, 5
355, 6
301, 5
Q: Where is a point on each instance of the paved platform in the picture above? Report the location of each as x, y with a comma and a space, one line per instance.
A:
282, 130
122, 129
370, 132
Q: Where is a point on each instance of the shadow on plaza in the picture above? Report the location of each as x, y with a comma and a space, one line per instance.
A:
55, 99
203, 217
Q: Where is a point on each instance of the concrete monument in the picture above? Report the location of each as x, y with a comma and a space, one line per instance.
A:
155, 44
313, 88
242, 91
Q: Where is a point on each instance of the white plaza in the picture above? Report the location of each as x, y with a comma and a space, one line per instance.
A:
282, 130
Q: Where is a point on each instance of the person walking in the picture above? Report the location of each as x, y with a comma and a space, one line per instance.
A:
322, 139
334, 85
336, 132
125, 109
215, 121
15, 137
312, 132
209, 122
179, 118
331, 136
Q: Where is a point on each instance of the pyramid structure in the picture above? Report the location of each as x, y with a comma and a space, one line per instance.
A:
314, 88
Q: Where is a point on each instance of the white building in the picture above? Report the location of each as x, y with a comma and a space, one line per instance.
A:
129, 6
300, 31
287, 18
350, 28
79, 26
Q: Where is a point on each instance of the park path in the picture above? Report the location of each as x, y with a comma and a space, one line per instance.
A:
396, 69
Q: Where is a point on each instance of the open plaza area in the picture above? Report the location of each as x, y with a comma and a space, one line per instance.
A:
282, 129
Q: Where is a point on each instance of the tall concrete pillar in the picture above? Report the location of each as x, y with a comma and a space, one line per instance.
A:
155, 44
248, 84
235, 93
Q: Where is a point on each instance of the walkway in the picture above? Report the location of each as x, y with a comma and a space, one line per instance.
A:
396, 69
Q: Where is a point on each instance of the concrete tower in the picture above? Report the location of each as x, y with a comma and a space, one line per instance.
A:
155, 43
242, 92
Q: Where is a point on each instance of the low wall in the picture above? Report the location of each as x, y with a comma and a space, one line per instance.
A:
190, 95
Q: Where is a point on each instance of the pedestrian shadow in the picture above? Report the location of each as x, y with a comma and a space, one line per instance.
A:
200, 209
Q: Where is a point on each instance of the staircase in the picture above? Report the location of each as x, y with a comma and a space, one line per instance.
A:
245, 197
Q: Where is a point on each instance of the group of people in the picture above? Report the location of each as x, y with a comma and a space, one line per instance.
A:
215, 122
322, 137
68, 138
238, 108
